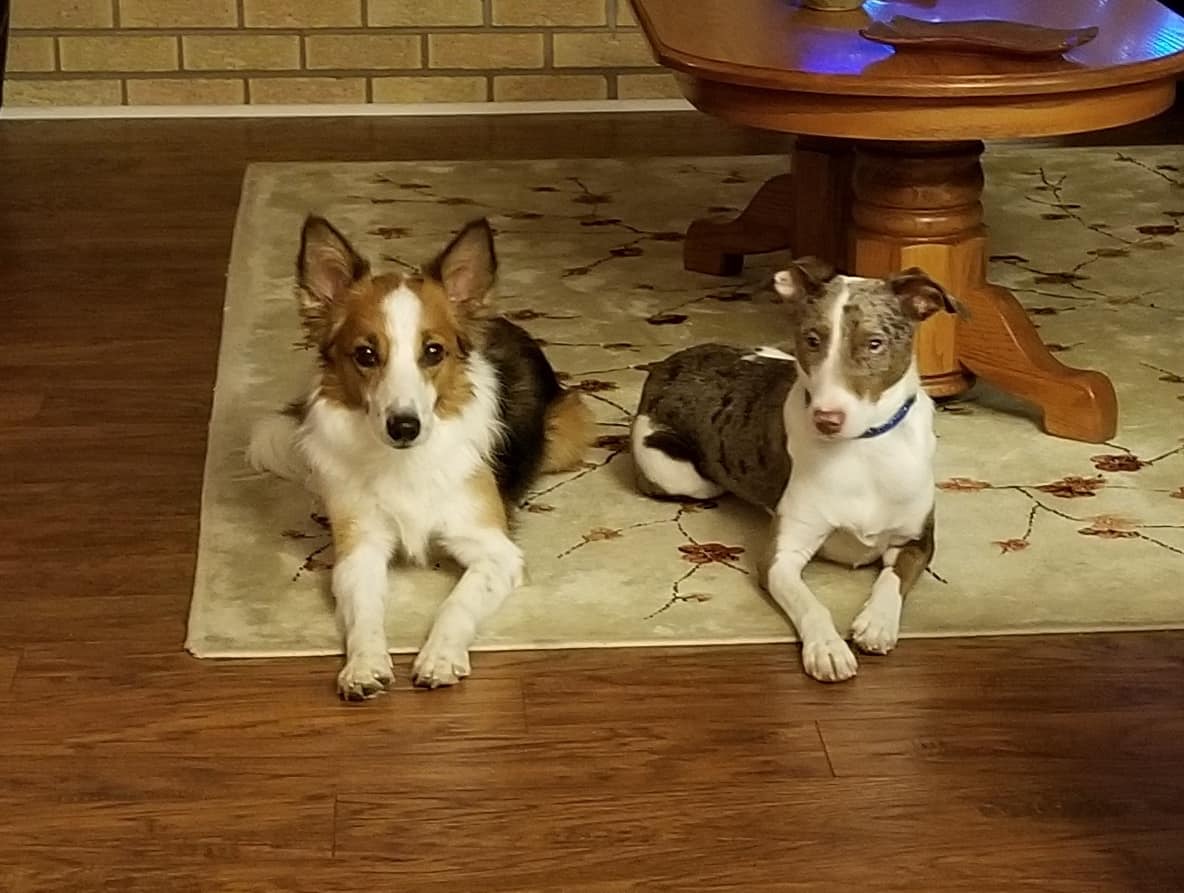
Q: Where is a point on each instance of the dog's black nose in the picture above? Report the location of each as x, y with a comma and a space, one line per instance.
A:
402, 428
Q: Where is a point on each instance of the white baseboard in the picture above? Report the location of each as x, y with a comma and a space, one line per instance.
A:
371, 110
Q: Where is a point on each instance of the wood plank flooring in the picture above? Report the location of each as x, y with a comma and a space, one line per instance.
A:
1034, 763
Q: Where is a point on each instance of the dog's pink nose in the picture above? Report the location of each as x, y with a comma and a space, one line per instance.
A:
829, 421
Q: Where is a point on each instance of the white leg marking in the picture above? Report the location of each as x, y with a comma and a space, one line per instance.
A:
670, 477
877, 626
359, 586
493, 568
825, 656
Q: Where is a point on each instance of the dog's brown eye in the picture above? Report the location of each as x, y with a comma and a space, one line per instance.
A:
813, 340
433, 352
365, 356
875, 345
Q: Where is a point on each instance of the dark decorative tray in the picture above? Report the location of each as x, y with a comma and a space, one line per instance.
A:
978, 36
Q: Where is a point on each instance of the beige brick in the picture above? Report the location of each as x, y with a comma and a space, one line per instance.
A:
604, 50
302, 13
186, 91
549, 13
625, 16
63, 93
118, 53
424, 13
30, 54
485, 50
428, 89
178, 13
61, 14
303, 91
647, 86
529, 87
241, 52
368, 51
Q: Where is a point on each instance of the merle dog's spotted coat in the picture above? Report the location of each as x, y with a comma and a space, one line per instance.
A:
740, 443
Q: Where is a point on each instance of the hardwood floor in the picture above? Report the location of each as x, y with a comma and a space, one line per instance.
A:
1049, 763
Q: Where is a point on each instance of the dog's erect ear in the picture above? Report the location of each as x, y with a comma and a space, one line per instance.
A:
805, 276
327, 265
920, 297
467, 267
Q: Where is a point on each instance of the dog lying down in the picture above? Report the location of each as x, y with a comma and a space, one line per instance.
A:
428, 420
836, 440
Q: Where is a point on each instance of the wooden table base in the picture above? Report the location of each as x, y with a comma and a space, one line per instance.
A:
877, 207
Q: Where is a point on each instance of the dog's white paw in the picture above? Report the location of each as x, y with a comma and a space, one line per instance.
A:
440, 664
365, 675
829, 659
877, 627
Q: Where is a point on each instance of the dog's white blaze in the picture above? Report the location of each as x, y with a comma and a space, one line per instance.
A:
827, 386
404, 388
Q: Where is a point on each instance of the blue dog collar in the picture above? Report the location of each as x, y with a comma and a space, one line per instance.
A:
892, 422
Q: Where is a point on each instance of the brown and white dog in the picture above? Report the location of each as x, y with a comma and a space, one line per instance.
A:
837, 441
428, 419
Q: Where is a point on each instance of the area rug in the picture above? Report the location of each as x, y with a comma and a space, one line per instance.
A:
1034, 534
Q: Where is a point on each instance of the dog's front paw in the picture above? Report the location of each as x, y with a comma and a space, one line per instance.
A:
437, 665
364, 676
829, 659
877, 627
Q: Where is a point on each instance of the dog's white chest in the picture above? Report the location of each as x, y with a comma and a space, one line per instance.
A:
876, 517
413, 495
411, 510
846, 548
873, 494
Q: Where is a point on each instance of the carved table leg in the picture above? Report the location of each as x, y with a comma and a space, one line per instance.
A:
998, 341
804, 210
718, 246
919, 204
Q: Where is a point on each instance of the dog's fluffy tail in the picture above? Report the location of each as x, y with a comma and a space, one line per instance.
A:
273, 447
568, 433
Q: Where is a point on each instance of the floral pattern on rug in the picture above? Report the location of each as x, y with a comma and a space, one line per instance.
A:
1034, 533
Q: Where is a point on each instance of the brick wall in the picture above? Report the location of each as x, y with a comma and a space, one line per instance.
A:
210, 52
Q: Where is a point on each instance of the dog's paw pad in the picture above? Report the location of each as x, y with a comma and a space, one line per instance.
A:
829, 660
365, 676
877, 627
437, 666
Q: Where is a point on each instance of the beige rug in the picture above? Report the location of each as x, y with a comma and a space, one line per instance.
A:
1034, 534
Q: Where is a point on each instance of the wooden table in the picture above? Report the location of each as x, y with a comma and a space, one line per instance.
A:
887, 171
